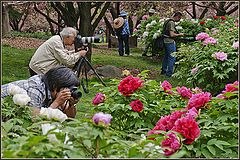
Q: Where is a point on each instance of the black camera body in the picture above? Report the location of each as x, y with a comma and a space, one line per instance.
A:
80, 41
75, 93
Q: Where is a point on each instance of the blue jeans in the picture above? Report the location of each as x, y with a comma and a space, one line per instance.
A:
168, 60
121, 48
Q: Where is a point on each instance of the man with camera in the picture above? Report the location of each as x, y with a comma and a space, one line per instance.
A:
170, 33
57, 89
53, 53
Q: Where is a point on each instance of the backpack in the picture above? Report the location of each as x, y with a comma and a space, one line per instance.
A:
158, 44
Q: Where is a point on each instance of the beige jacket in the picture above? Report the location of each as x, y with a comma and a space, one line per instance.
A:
52, 54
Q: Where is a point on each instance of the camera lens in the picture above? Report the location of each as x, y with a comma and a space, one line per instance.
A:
75, 93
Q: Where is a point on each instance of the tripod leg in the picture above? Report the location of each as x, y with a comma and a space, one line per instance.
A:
85, 87
89, 64
79, 66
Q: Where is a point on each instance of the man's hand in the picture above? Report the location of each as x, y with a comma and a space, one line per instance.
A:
61, 97
82, 53
181, 34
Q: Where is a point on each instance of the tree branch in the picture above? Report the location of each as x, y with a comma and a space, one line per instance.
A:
56, 9
107, 4
229, 5
47, 17
232, 10
189, 13
203, 13
95, 11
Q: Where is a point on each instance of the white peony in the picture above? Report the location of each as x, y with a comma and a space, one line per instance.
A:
21, 99
148, 26
53, 113
156, 35
13, 89
179, 27
145, 34
153, 22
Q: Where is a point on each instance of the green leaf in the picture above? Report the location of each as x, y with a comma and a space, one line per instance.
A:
206, 153
212, 150
87, 143
7, 126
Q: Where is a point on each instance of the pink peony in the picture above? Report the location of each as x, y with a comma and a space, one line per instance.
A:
102, 118
194, 70
221, 96
220, 56
134, 30
99, 98
184, 92
136, 105
166, 86
235, 45
138, 26
129, 85
232, 87
209, 40
198, 100
202, 36
192, 112
171, 144
144, 17
188, 128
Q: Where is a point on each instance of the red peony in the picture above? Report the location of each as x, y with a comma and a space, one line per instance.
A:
184, 92
215, 17
201, 22
171, 144
223, 17
136, 105
198, 100
129, 85
188, 128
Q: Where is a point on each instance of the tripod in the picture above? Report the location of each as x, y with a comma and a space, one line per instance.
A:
78, 68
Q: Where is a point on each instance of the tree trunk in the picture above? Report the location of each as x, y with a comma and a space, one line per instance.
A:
5, 20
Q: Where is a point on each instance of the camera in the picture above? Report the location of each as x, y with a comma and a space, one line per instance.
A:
75, 93
80, 41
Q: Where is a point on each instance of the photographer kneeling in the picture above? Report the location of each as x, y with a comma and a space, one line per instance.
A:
53, 53
55, 89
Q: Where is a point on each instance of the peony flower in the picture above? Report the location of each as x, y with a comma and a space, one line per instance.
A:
145, 34
99, 98
194, 70
138, 26
101, 118
220, 56
126, 72
136, 105
223, 17
201, 36
230, 29
171, 144
201, 22
166, 86
188, 128
148, 26
21, 99
198, 100
232, 87
53, 113
184, 92
179, 27
164, 124
209, 40
145, 17
156, 35
129, 85
135, 30
153, 22
192, 112
215, 17
235, 45
13, 89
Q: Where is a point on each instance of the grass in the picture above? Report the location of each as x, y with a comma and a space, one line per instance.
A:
15, 67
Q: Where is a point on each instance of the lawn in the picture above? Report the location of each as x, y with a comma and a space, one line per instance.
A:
15, 67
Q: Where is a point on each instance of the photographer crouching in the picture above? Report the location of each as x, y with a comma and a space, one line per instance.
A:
53, 53
56, 89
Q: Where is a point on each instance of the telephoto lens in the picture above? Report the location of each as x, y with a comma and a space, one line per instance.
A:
90, 40
75, 93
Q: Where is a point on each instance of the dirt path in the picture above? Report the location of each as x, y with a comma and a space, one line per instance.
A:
22, 42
